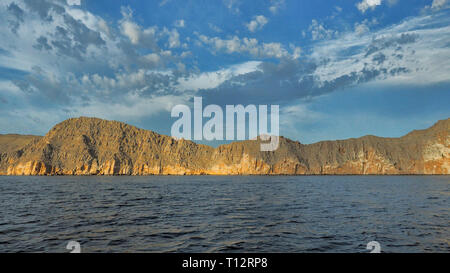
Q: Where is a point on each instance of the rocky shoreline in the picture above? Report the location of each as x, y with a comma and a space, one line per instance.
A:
91, 146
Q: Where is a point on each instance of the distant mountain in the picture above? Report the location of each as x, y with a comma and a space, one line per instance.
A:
91, 146
12, 143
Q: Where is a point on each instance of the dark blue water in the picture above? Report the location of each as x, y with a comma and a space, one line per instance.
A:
225, 214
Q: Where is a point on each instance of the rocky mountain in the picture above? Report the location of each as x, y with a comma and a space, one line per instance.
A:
91, 146
12, 143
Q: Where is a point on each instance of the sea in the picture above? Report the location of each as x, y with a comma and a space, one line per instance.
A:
255, 214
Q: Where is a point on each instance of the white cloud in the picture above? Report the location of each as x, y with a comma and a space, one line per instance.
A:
298, 113
274, 50
413, 52
276, 5
364, 26
232, 5
79, 32
130, 108
149, 37
257, 23
174, 38
131, 30
210, 80
103, 27
392, 2
153, 58
101, 84
134, 73
296, 51
364, 5
90, 20
361, 28
438, 4
214, 27
99, 72
73, 2
180, 23
136, 34
163, 2
8, 88
246, 45
319, 32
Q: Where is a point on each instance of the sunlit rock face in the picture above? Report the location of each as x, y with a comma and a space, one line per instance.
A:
91, 146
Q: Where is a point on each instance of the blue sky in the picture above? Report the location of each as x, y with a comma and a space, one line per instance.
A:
337, 68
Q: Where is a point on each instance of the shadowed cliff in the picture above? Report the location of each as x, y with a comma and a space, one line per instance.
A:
91, 146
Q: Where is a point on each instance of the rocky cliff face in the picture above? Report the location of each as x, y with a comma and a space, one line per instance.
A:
91, 146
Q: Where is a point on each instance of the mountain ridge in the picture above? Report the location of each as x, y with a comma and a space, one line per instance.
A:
93, 146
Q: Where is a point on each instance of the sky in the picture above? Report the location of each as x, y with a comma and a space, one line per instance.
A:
337, 68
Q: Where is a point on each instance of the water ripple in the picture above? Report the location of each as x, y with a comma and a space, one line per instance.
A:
225, 214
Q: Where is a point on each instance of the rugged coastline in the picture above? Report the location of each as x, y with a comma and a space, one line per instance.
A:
92, 146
